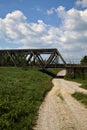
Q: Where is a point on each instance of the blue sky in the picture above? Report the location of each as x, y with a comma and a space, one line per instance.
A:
60, 24
32, 9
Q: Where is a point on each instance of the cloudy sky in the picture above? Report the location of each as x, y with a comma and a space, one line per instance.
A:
60, 24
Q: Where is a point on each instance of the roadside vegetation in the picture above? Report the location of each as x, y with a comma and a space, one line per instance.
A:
80, 78
80, 96
21, 93
84, 60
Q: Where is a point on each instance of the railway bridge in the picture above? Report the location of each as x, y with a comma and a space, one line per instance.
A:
43, 58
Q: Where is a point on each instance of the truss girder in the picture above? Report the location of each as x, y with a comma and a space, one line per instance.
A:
28, 57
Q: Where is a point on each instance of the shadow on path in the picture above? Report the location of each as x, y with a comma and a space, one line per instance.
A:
52, 74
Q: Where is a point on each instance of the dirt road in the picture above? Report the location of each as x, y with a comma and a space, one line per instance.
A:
60, 111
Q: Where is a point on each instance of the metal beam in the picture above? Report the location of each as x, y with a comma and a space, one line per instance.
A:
19, 56
11, 58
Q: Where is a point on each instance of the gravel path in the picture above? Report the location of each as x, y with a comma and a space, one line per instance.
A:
60, 111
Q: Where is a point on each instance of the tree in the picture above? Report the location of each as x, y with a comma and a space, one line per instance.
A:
84, 60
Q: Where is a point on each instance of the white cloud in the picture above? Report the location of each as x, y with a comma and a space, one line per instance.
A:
60, 9
15, 29
10, 26
70, 38
74, 30
75, 20
82, 3
56, 10
51, 11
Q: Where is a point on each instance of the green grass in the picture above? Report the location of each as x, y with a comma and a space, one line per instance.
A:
81, 97
21, 93
79, 80
83, 82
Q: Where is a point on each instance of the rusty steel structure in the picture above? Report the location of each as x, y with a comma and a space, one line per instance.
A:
31, 57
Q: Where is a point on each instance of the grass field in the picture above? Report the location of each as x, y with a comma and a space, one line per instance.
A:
21, 93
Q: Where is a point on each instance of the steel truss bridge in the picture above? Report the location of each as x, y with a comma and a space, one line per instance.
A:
31, 57
43, 58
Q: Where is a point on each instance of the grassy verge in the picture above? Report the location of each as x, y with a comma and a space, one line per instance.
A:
80, 96
83, 82
21, 93
79, 80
